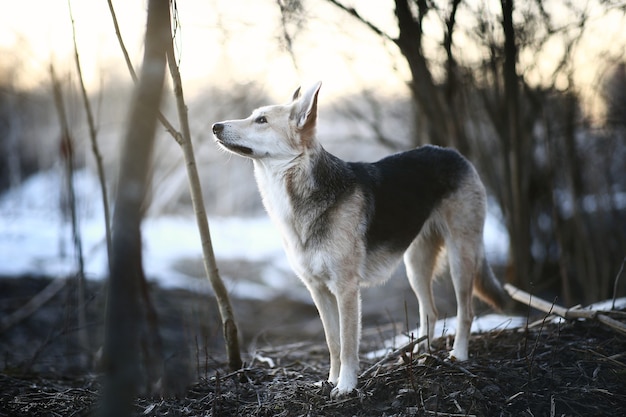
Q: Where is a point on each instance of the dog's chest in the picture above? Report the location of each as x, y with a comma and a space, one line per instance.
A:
307, 259
275, 199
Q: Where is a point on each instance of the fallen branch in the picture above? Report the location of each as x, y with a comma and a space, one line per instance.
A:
41, 298
566, 313
401, 351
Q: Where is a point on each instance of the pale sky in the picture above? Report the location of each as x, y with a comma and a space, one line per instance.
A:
221, 41
226, 41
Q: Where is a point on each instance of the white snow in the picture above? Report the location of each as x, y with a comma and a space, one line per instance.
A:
447, 327
36, 239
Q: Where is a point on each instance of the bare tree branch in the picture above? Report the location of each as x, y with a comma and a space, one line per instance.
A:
210, 266
67, 154
288, 9
164, 121
447, 45
94, 140
353, 12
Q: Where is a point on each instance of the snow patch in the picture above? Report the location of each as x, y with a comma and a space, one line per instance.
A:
447, 327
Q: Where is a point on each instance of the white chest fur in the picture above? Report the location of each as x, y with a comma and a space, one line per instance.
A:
311, 262
278, 204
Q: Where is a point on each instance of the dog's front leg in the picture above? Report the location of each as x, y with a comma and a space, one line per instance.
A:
326, 304
349, 304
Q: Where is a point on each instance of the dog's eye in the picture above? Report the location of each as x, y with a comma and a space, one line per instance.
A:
260, 120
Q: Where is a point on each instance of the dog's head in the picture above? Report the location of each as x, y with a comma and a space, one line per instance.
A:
278, 132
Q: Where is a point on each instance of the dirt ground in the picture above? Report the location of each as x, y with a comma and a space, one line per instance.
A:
545, 369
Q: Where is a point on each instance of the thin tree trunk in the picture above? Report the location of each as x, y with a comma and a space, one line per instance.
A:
121, 347
210, 266
444, 126
184, 140
94, 142
585, 258
516, 152
67, 154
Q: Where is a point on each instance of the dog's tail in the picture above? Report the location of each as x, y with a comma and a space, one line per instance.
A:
488, 288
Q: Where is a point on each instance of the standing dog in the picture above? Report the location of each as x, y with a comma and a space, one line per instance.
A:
347, 224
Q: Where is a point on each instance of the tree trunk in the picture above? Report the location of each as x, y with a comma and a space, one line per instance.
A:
516, 157
121, 346
184, 140
443, 126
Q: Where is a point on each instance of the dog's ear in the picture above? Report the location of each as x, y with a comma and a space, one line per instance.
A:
306, 108
295, 95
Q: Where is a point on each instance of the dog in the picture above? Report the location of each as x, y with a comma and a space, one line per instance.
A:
349, 224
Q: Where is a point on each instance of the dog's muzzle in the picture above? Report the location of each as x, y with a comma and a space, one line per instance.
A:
218, 129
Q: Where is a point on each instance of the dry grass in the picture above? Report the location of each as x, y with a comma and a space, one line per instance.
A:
568, 369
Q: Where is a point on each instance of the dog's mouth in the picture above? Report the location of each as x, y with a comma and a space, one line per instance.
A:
243, 150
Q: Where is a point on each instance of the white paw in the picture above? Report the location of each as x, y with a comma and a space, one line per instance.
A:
457, 356
338, 393
344, 386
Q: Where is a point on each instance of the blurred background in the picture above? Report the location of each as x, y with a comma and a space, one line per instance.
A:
532, 92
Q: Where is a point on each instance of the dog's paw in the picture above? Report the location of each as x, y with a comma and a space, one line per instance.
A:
457, 356
345, 386
338, 393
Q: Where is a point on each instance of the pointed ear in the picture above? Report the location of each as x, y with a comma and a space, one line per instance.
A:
296, 94
306, 110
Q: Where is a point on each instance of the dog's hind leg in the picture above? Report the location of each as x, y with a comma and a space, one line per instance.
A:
464, 265
420, 260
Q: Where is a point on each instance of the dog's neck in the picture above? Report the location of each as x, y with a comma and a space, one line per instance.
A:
283, 182
291, 190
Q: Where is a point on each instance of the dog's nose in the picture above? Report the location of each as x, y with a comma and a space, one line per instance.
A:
217, 128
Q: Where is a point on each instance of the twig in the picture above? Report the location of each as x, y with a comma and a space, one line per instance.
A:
610, 359
531, 357
612, 323
442, 414
164, 121
41, 298
352, 11
67, 154
394, 353
451, 364
94, 141
566, 313
615, 284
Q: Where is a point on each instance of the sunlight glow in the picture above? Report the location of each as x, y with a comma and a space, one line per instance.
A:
238, 41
